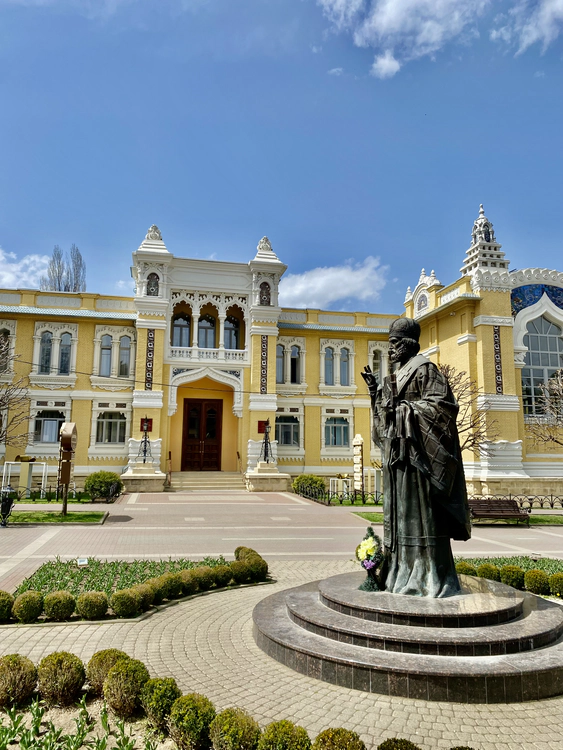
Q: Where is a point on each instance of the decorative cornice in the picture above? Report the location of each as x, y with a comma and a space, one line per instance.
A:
467, 338
147, 399
52, 382
492, 320
111, 384
497, 402
490, 281
524, 276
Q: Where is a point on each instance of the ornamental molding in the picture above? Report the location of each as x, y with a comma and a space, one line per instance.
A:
467, 338
147, 400
8, 325
490, 281
544, 307
115, 331
492, 320
293, 317
219, 376
105, 452
57, 329
263, 330
497, 402
536, 276
338, 344
337, 391
221, 301
263, 402
288, 341
52, 382
430, 351
153, 233
111, 384
57, 301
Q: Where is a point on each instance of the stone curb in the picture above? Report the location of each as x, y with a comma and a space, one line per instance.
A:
48, 523
149, 613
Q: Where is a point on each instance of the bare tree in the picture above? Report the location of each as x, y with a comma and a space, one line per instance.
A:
546, 428
14, 400
65, 274
476, 429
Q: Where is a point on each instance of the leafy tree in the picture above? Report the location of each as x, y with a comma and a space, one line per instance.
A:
14, 401
546, 428
476, 429
65, 274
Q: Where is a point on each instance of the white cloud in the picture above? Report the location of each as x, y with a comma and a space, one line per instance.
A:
405, 30
385, 66
335, 71
322, 287
21, 274
315, 50
539, 74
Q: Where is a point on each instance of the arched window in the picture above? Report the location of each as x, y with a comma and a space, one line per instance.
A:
47, 426
337, 432
287, 430
265, 294
344, 367
110, 427
105, 356
181, 328
329, 366
232, 329
152, 285
295, 365
124, 356
543, 358
279, 364
45, 350
64, 354
376, 365
4, 350
206, 332
421, 303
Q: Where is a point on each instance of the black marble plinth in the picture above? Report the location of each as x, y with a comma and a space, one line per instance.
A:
492, 644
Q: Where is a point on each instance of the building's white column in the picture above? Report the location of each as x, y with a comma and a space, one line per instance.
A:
195, 326
55, 354
222, 331
114, 357
287, 365
247, 335
337, 367
96, 362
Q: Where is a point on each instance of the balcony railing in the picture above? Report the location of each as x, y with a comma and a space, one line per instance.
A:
188, 353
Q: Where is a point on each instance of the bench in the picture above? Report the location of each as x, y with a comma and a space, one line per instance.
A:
497, 509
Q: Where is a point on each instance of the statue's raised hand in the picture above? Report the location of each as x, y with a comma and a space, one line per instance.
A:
371, 381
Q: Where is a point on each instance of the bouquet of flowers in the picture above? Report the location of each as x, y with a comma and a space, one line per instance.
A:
370, 554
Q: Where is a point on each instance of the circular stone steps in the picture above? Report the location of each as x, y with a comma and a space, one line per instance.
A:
491, 644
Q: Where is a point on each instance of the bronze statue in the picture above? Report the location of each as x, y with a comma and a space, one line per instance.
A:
424, 494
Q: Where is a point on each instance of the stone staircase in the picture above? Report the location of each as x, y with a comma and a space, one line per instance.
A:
202, 481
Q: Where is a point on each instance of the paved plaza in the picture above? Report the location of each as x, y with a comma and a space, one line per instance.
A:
206, 643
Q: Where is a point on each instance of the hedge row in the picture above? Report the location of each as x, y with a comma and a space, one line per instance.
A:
536, 581
191, 720
59, 606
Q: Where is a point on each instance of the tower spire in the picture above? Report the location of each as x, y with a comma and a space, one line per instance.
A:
485, 252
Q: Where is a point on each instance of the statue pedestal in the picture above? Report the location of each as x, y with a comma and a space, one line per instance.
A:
267, 478
141, 477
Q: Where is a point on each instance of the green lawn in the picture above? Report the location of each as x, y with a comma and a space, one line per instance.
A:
534, 520
45, 516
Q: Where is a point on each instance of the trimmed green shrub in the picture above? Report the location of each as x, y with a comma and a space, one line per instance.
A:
234, 729
125, 603
223, 575
308, 483
396, 743
536, 582
491, 572
98, 484
171, 585
59, 605
240, 571
258, 567
6, 604
157, 698
190, 719
158, 589
92, 605
28, 606
284, 735
338, 739
123, 686
465, 569
242, 552
189, 583
100, 665
60, 677
18, 677
556, 584
145, 593
512, 575
203, 576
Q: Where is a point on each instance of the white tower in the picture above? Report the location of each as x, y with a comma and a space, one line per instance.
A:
485, 252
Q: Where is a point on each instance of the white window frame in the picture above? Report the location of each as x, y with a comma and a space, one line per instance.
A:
287, 387
383, 348
337, 390
102, 451
10, 326
113, 382
53, 403
292, 452
335, 452
53, 380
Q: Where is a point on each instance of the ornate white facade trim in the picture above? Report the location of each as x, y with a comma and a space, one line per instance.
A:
490, 281
337, 390
219, 376
497, 402
504, 460
101, 451
467, 338
287, 387
10, 326
147, 399
53, 380
543, 307
493, 320
536, 276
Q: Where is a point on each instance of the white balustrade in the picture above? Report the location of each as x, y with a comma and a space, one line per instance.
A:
188, 353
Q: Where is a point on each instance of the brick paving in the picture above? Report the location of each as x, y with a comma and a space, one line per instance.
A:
207, 643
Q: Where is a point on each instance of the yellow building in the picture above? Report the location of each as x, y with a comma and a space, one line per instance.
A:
205, 351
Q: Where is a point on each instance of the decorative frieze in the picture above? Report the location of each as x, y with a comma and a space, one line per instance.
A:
264, 364
149, 360
493, 320
498, 359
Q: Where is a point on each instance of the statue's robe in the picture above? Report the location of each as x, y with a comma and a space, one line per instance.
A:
424, 494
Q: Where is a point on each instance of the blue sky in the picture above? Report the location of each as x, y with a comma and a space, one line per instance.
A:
359, 135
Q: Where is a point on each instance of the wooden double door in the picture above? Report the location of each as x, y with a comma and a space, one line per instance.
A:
201, 445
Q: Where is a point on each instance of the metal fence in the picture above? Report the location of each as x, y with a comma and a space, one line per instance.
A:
526, 501
346, 497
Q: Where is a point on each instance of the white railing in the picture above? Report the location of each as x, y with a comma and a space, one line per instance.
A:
449, 296
187, 353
